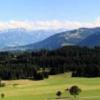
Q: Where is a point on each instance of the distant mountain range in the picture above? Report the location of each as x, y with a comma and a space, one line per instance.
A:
82, 37
19, 37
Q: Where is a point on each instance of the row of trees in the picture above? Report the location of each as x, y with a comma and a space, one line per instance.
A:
81, 61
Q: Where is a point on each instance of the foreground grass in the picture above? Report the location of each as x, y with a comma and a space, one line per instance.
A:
43, 90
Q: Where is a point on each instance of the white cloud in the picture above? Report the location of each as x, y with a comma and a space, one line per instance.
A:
54, 24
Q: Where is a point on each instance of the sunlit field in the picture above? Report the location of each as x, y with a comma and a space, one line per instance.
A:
46, 89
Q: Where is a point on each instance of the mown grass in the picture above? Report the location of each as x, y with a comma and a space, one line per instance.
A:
46, 89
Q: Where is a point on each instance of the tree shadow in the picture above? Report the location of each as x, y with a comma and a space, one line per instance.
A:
60, 98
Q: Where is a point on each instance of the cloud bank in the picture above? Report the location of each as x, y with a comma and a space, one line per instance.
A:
45, 25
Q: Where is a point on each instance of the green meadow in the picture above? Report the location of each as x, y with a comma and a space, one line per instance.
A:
46, 89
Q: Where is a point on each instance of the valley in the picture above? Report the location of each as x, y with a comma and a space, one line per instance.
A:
49, 49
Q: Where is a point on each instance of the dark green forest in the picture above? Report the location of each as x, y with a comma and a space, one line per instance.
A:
81, 61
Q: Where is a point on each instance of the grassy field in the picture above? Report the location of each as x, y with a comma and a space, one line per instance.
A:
46, 89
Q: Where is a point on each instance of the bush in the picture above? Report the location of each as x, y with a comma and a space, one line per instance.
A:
59, 93
2, 84
2, 95
74, 90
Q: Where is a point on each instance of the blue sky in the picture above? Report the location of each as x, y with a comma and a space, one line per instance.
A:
77, 10
25, 12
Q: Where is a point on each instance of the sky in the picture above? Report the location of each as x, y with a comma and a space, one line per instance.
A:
49, 14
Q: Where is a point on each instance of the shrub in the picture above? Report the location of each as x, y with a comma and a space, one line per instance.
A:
59, 93
2, 95
2, 84
74, 90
